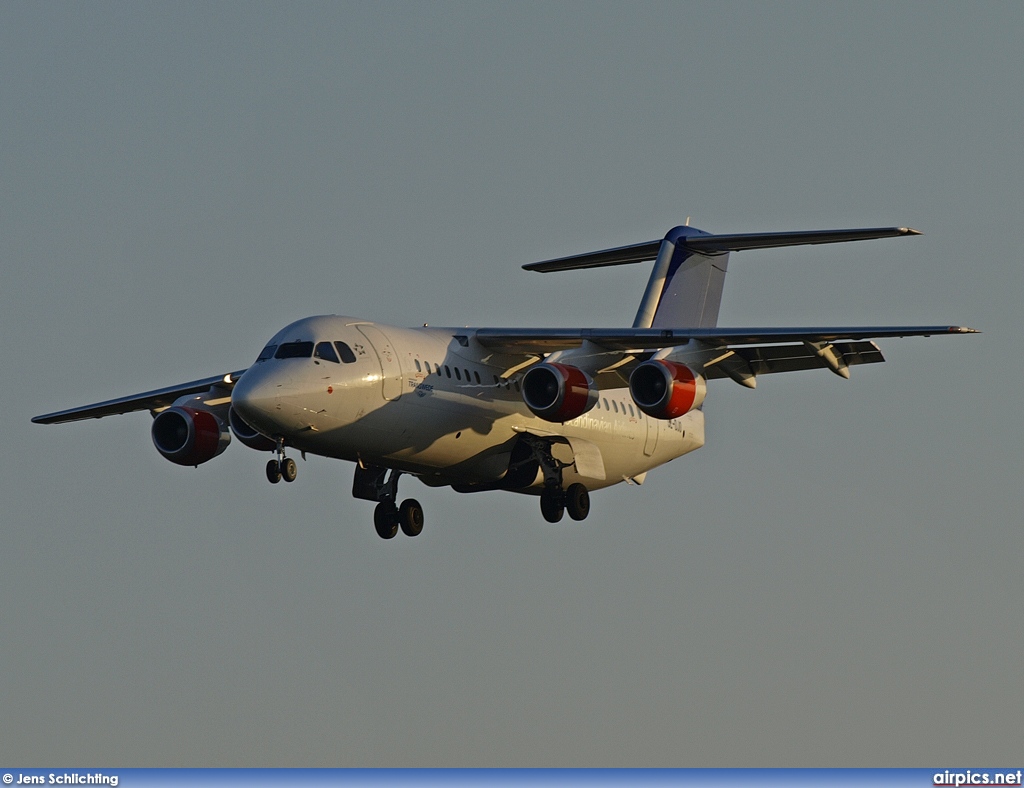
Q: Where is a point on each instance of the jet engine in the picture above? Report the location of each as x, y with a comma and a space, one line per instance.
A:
247, 435
189, 436
665, 389
558, 392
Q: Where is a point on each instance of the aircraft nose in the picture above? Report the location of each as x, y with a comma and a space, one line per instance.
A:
256, 397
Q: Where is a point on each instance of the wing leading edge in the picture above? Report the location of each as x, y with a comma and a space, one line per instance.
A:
155, 400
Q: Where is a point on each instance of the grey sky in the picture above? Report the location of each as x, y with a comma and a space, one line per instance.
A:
835, 579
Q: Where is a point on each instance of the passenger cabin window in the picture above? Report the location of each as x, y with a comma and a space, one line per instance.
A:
294, 350
345, 352
268, 352
325, 351
447, 371
457, 375
477, 376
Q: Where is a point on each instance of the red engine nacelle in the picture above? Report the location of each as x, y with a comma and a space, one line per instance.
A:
558, 392
666, 390
189, 436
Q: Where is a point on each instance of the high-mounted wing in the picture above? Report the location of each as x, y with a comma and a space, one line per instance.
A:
154, 401
548, 340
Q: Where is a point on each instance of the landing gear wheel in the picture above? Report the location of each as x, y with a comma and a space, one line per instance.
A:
288, 469
410, 517
385, 520
273, 472
577, 501
551, 505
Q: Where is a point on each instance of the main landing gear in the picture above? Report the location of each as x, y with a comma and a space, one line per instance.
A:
554, 500
387, 518
575, 500
376, 484
282, 467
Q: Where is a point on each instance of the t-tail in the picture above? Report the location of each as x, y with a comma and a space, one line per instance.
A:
685, 288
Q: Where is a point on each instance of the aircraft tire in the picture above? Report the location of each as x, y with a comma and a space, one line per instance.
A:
410, 517
577, 501
385, 520
551, 506
273, 472
288, 469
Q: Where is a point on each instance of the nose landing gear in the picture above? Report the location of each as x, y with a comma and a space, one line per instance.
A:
282, 467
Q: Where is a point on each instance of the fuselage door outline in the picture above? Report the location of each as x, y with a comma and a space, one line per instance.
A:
391, 371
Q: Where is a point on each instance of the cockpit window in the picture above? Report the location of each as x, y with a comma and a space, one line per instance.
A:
326, 352
294, 350
345, 352
268, 352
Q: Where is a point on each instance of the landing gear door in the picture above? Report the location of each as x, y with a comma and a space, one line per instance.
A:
391, 372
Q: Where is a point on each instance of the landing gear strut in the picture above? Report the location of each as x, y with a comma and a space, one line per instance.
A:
376, 484
282, 467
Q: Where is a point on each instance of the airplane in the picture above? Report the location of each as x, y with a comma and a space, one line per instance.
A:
551, 412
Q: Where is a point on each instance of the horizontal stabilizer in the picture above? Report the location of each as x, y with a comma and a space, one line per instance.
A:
710, 244
637, 253
737, 243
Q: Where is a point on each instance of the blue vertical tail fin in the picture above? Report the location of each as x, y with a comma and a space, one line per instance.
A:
685, 288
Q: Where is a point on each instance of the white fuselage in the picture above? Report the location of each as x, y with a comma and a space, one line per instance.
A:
435, 403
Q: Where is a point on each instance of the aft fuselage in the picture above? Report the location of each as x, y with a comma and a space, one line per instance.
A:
435, 403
